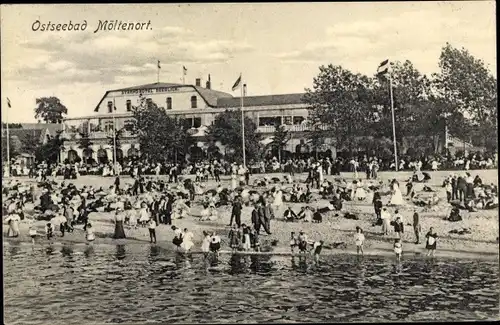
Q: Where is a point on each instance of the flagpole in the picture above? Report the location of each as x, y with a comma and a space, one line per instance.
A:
7, 175
183, 76
393, 123
158, 77
114, 134
242, 125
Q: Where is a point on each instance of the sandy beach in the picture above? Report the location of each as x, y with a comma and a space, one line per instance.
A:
335, 231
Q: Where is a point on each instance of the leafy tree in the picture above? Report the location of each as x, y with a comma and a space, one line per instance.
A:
50, 109
341, 102
30, 144
227, 129
15, 147
49, 152
411, 90
280, 138
12, 125
466, 83
160, 135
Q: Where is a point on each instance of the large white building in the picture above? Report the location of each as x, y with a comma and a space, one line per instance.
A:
198, 105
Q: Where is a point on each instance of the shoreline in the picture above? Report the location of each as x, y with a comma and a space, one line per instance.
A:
376, 249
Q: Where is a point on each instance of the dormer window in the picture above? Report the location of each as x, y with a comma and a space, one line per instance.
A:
194, 102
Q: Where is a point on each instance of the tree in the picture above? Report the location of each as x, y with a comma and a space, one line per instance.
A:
411, 90
160, 135
15, 147
227, 129
84, 142
466, 83
340, 102
280, 138
50, 151
30, 144
50, 109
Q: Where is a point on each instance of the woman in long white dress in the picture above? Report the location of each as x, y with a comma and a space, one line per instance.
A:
278, 198
360, 193
187, 240
233, 181
397, 196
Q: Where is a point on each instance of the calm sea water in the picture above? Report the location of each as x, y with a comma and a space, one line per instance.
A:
140, 283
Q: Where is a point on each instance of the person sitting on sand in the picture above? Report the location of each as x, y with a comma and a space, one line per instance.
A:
305, 214
289, 215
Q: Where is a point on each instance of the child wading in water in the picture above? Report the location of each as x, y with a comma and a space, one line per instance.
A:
32, 233
49, 231
89, 234
317, 247
360, 240
205, 246
398, 248
293, 242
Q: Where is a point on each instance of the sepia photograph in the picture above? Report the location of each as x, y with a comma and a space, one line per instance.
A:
328, 162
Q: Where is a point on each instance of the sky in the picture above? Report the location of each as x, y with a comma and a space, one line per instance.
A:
277, 47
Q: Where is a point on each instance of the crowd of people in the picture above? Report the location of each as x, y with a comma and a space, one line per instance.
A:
150, 202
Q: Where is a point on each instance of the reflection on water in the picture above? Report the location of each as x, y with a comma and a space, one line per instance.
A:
81, 284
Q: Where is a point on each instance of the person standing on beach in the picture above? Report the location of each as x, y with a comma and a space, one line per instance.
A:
386, 221
236, 212
431, 242
359, 238
417, 228
33, 234
152, 230
399, 227
119, 231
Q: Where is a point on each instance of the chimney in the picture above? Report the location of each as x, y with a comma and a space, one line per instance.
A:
208, 83
198, 82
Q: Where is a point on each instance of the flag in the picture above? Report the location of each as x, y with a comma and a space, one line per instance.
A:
237, 83
159, 67
244, 89
184, 70
8, 102
383, 68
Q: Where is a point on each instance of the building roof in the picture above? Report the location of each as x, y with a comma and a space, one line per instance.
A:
27, 135
209, 95
52, 127
261, 100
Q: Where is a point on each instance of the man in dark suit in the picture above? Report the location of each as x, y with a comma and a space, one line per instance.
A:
236, 212
454, 188
462, 188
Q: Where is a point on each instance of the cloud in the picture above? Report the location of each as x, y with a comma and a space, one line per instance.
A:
106, 58
392, 37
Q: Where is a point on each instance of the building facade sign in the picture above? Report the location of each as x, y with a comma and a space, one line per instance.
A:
150, 90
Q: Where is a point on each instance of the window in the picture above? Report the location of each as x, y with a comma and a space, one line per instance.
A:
129, 125
197, 122
287, 120
129, 105
108, 126
188, 122
297, 120
169, 102
270, 121
194, 102
110, 107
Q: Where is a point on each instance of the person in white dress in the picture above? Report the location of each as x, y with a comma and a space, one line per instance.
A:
435, 165
278, 198
397, 196
187, 240
205, 245
320, 173
233, 181
360, 191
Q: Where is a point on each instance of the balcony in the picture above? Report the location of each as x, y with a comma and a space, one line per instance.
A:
291, 128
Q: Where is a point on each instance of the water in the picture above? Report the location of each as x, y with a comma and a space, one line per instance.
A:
139, 283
